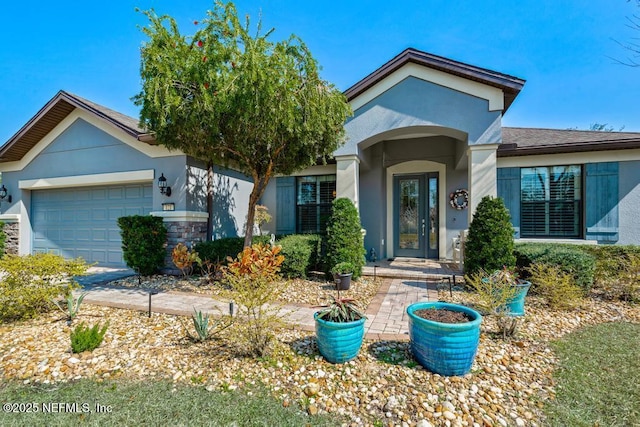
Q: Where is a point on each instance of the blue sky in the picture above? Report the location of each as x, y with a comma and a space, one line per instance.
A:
561, 47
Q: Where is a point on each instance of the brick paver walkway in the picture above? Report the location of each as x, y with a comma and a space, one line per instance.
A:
386, 315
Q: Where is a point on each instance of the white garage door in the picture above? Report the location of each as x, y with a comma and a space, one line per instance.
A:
83, 222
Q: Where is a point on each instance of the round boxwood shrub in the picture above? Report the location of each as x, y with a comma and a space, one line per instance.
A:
345, 242
143, 242
489, 244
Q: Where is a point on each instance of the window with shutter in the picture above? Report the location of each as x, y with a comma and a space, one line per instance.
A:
551, 201
315, 194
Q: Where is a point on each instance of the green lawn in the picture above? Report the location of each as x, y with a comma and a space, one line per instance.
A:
598, 383
147, 403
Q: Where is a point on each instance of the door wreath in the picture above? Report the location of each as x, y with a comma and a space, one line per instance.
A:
459, 199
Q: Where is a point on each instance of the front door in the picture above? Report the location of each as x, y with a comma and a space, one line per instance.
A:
416, 215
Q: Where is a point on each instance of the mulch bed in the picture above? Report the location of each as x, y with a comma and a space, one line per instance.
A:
443, 315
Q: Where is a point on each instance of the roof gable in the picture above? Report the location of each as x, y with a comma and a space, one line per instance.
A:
54, 112
509, 85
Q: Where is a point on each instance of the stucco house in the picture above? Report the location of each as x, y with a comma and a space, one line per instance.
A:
424, 145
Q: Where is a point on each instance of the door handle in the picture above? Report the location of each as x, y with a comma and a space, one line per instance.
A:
423, 227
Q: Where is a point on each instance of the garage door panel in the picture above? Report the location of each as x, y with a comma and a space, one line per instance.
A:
67, 215
82, 222
99, 214
115, 193
99, 235
80, 195
99, 256
114, 214
83, 234
67, 235
83, 215
136, 211
114, 257
100, 194
114, 236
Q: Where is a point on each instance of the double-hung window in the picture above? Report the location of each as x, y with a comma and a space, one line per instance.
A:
551, 201
315, 195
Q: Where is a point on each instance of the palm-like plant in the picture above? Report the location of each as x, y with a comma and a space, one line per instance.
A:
73, 306
341, 310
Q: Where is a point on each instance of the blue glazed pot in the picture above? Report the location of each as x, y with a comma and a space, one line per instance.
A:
515, 307
339, 342
444, 348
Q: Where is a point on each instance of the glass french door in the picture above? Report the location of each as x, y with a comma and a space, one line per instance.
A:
415, 213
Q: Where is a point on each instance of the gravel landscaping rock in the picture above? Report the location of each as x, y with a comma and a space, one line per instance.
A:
508, 384
293, 291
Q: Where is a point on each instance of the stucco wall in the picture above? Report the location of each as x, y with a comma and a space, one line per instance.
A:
415, 102
629, 207
373, 191
231, 190
83, 149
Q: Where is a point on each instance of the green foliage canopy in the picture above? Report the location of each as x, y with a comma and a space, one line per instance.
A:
228, 97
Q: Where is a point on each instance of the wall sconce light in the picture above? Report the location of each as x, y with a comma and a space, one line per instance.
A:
162, 185
3, 194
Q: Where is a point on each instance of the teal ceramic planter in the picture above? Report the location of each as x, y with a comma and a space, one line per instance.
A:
339, 342
444, 348
515, 307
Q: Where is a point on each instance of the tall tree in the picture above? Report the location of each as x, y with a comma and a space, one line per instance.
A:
633, 46
227, 97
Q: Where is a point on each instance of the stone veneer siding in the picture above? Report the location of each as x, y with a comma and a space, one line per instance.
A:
12, 241
187, 232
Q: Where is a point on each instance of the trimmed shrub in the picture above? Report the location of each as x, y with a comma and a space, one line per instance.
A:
617, 269
571, 259
30, 283
301, 254
143, 242
556, 286
84, 338
489, 244
345, 242
218, 250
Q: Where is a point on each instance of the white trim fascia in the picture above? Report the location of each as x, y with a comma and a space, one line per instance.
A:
470, 87
481, 147
10, 217
88, 180
152, 151
418, 167
348, 157
569, 158
315, 170
183, 216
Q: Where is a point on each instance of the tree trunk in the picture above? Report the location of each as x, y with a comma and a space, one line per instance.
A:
210, 201
259, 186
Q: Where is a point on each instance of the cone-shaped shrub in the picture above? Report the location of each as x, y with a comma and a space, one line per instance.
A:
345, 242
489, 245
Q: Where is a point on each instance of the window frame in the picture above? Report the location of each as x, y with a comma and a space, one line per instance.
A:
319, 205
549, 203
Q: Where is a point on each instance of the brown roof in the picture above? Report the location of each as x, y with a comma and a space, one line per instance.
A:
49, 116
510, 85
528, 141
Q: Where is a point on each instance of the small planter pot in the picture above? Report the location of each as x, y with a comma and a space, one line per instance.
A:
444, 348
515, 307
343, 281
339, 342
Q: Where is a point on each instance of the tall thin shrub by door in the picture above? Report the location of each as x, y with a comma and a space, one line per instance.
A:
489, 244
345, 242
